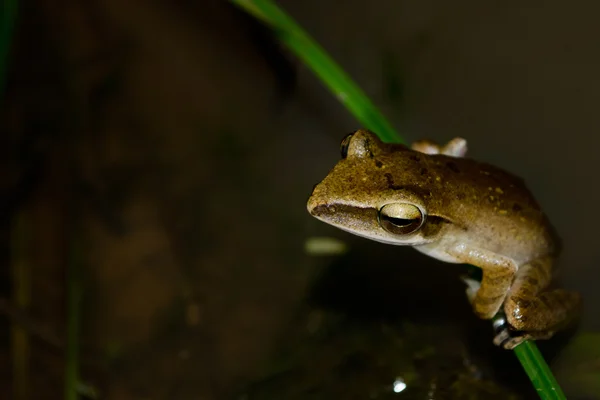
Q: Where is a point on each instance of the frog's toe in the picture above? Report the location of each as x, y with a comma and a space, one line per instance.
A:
501, 337
509, 340
506, 337
457, 147
472, 287
426, 146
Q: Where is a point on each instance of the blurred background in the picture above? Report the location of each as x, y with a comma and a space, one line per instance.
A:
157, 158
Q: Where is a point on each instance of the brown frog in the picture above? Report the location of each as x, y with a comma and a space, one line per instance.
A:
457, 210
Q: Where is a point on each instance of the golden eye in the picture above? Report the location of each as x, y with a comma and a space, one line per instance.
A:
344, 145
400, 218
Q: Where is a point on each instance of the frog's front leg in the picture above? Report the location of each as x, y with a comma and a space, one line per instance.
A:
457, 147
533, 312
498, 275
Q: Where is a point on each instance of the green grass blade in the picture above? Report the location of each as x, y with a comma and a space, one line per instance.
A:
7, 24
74, 296
538, 371
334, 77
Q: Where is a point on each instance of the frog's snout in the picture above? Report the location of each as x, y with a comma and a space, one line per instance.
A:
311, 204
313, 200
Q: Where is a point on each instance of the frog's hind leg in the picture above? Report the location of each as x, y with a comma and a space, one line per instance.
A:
457, 147
531, 310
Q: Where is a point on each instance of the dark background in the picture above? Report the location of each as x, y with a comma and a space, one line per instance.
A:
174, 145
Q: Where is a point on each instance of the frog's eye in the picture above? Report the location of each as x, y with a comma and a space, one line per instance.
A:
400, 218
344, 145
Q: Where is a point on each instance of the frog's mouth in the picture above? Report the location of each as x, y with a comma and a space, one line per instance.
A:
363, 222
360, 221
346, 216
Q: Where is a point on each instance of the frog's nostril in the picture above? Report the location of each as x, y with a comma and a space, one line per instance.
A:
319, 210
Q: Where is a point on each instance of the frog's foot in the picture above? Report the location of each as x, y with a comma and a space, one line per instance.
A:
457, 147
545, 313
508, 338
534, 311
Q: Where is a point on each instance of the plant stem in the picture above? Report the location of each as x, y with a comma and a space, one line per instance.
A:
7, 24
21, 285
334, 77
74, 294
538, 371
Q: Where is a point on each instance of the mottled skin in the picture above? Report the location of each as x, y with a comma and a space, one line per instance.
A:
470, 212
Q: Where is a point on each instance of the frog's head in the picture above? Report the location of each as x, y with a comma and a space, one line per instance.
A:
374, 192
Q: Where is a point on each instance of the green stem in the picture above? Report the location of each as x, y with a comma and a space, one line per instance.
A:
334, 77
74, 295
291, 34
7, 24
538, 371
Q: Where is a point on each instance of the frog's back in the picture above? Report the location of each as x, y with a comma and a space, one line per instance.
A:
494, 204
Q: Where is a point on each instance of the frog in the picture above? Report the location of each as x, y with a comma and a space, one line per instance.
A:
457, 210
